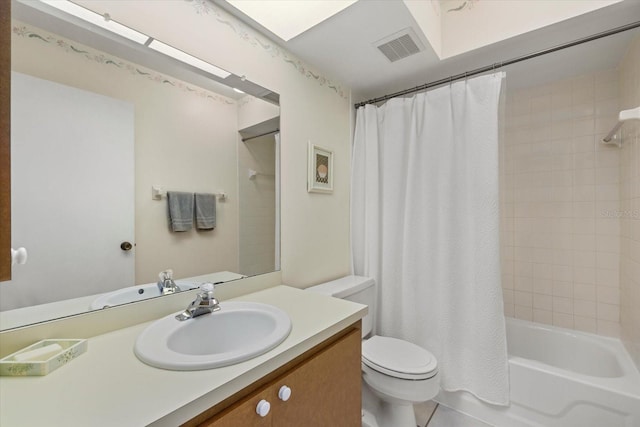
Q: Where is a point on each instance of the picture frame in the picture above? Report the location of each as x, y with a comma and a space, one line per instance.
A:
320, 167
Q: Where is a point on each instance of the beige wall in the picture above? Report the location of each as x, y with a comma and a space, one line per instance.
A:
630, 204
315, 227
184, 141
252, 111
560, 232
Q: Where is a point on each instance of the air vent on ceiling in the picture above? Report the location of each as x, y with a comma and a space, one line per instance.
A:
400, 45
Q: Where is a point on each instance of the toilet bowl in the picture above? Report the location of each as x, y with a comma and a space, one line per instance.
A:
396, 374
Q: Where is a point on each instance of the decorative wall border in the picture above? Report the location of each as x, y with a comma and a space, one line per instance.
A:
245, 100
99, 57
249, 35
465, 5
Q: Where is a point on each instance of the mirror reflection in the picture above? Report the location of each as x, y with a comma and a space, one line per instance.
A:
131, 170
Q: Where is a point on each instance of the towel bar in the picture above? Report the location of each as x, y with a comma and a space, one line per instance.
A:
157, 193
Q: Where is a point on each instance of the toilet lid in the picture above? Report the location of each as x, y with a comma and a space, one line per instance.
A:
398, 358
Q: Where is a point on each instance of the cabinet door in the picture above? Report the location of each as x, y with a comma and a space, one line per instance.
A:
244, 412
325, 390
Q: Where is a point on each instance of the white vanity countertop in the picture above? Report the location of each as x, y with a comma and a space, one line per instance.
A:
109, 386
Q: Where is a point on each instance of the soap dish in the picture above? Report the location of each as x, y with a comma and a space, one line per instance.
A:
42, 357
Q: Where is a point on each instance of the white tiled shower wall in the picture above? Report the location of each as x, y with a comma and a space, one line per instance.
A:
630, 205
560, 228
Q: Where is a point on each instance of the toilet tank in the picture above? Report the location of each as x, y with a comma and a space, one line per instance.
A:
353, 288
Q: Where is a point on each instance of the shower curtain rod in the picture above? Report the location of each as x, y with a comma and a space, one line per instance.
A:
497, 65
262, 134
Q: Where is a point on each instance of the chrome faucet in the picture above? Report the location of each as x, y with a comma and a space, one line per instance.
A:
204, 303
166, 284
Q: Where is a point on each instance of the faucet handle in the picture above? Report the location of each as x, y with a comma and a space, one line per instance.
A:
206, 294
207, 298
207, 287
166, 275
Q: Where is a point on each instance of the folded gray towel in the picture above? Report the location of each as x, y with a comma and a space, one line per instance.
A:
180, 210
205, 211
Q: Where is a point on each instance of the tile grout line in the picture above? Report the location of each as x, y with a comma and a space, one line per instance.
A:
432, 414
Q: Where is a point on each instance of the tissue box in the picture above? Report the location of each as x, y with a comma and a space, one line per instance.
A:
71, 349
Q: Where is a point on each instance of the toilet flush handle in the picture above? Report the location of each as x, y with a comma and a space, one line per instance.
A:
284, 393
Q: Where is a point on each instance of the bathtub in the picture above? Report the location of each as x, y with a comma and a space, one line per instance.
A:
560, 378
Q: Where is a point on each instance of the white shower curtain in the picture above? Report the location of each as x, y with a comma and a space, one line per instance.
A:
424, 220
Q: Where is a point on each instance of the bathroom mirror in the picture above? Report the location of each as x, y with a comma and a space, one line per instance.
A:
102, 128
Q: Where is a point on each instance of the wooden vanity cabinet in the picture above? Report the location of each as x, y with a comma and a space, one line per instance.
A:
325, 388
5, 140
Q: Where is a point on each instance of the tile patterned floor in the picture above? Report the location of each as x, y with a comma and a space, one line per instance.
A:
433, 415
424, 412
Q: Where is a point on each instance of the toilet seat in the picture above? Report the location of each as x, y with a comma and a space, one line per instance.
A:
398, 358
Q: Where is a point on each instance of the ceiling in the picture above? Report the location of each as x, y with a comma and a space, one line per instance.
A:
342, 46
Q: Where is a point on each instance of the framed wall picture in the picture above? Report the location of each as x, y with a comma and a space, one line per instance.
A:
320, 167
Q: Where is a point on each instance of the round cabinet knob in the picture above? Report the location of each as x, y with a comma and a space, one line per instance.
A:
284, 393
263, 408
126, 246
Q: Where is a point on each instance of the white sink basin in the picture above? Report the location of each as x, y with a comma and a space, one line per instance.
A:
133, 293
239, 331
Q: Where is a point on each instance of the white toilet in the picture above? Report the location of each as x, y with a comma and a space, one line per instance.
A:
396, 373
